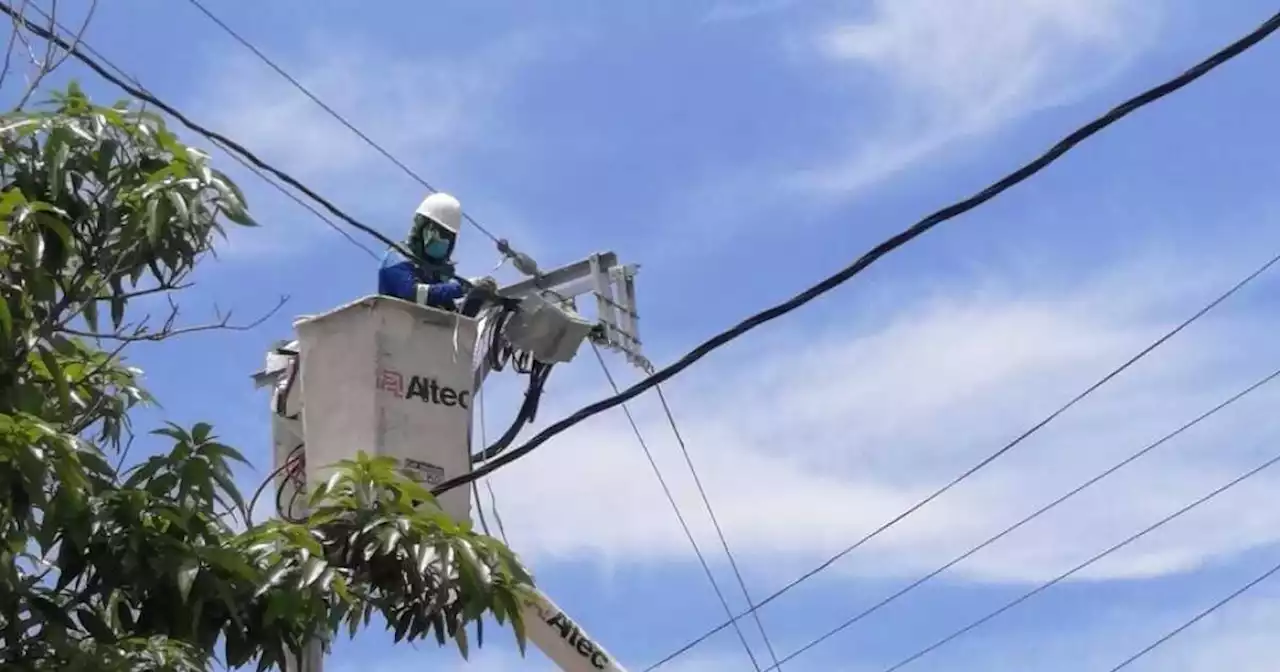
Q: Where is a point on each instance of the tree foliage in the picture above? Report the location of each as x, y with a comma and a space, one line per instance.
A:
146, 567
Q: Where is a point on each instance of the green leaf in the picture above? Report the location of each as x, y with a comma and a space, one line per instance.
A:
51, 612
228, 560
94, 625
90, 310
59, 378
155, 220
6, 320
117, 311
12, 198
238, 215
311, 570
200, 432
187, 576
460, 637
106, 153
144, 472
402, 625
228, 486
224, 451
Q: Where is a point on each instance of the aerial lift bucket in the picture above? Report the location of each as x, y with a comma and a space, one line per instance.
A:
394, 379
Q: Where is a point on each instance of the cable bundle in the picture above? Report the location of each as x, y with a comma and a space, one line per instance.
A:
500, 353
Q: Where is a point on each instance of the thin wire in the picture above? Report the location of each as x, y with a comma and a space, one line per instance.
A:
325, 106
1044, 509
644, 445
488, 483
484, 524
1177, 631
724, 543
255, 170
889, 245
990, 458
1065, 575
226, 143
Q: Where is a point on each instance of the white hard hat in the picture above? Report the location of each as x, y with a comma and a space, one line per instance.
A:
443, 209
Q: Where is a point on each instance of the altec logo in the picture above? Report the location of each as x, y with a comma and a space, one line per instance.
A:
573, 635
429, 390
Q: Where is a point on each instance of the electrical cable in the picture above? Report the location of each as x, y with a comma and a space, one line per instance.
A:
341, 119
488, 484
1197, 618
990, 458
526, 414
484, 523
884, 248
644, 445
226, 143
715, 521
254, 169
294, 460
1065, 575
1039, 512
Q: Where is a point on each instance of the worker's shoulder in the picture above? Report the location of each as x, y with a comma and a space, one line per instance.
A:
395, 262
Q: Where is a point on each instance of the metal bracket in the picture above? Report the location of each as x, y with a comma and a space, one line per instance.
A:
613, 286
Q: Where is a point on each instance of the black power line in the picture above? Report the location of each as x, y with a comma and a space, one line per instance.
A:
1039, 512
991, 458
1196, 619
902, 238
250, 167
1067, 574
715, 521
336, 115
644, 445
225, 142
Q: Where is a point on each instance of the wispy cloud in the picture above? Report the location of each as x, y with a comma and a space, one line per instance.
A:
425, 111
813, 439
951, 71
429, 105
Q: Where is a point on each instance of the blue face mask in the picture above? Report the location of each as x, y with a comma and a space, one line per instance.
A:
437, 249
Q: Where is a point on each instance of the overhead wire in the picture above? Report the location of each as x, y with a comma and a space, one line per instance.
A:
1083, 565
990, 458
235, 157
488, 483
662, 481
1226, 54
950, 212
1255, 386
715, 522
226, 143
1197, 618
332, 112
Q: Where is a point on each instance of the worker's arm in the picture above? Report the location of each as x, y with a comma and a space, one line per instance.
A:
398, 280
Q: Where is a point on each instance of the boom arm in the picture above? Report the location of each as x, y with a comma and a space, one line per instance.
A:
563, 640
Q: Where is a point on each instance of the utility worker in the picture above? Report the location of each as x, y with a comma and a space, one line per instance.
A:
432, 239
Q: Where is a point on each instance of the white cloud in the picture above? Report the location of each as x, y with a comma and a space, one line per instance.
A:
426, 111
1239, 637
806, 445
409, 106
951, 70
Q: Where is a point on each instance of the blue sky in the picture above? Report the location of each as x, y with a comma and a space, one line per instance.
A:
739, 152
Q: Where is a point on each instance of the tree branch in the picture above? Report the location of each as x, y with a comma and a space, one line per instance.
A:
169, 331
76, 38
158, 289
13, 41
